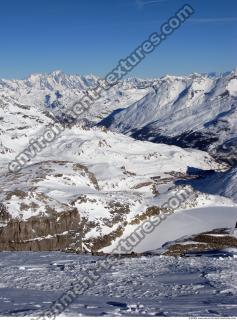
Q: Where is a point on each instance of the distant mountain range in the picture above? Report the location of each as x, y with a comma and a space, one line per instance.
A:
196, 111
97, 182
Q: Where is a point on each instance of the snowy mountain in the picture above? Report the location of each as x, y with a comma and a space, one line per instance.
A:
46, 92
92, 187
222, 183
89, 188
198, 111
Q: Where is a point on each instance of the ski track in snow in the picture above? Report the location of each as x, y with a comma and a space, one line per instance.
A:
149, 286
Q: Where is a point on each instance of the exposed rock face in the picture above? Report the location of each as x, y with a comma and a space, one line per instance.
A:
88, 189
31, 218
64, 231
214, 240
4, 214
35, 215
41, 233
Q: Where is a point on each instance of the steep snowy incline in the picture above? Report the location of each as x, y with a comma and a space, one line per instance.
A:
222, 183
195, 111
93, 186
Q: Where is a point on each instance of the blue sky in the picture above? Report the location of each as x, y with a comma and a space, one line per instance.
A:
90, 36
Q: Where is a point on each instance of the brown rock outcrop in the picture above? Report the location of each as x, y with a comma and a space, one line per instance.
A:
41, 233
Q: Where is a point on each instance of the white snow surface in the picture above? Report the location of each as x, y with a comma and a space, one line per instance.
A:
145, 286
222, 183
181, 224
113, 179
117, 168
42, 91
178, 105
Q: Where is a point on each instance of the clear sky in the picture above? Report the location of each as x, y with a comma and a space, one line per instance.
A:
90, 36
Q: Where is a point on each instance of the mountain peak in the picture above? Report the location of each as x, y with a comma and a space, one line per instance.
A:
56, 73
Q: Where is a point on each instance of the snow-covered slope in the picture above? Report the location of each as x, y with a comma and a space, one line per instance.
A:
222, 183
47, 92
214, 243
91, 187
101, 183
192, 111
197, 110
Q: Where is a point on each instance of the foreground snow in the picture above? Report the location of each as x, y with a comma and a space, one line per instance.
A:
161, 286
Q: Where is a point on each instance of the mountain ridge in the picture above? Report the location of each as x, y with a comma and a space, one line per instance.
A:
184, 111
93, 186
